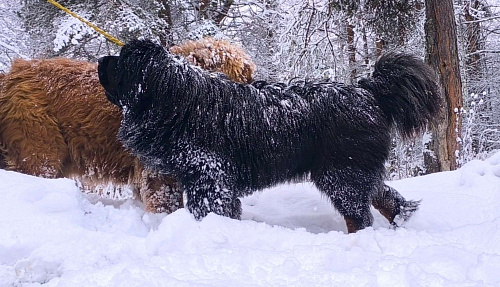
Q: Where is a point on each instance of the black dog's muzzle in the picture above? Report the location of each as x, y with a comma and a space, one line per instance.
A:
108, 77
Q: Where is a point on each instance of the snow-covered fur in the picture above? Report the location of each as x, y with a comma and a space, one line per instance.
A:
223, 140
218, 56
55, 121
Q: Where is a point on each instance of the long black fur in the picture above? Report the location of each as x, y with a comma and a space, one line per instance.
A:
223, 140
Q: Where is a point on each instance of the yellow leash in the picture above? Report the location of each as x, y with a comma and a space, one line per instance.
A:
97, 29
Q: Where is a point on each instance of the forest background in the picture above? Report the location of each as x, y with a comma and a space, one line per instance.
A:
331, 40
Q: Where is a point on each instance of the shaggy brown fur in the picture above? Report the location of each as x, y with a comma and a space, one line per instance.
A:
2, 158
55, 121
219, 56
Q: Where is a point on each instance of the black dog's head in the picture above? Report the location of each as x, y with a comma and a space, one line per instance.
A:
125, 78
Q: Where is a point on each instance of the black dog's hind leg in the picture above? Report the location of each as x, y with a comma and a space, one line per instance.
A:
207, 182
350, 191
393, 205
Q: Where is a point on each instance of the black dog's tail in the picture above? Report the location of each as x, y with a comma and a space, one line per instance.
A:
406, 90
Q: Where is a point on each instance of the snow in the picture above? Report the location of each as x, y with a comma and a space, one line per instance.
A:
53, 235
70, 31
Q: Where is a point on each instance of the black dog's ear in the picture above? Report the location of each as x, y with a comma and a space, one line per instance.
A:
108, 77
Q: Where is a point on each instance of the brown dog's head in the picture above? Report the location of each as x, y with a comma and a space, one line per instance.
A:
218, 56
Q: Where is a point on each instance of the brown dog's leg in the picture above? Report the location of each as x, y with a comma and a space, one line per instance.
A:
159, 193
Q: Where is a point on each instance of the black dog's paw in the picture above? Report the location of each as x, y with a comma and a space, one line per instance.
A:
406, 211
231, 210
199, 213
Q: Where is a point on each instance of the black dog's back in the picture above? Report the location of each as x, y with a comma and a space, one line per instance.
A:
274, 133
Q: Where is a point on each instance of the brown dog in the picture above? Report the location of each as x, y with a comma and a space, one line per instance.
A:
2, 157
218, 56
55, 121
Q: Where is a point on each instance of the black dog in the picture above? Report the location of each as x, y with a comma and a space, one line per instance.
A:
223, 140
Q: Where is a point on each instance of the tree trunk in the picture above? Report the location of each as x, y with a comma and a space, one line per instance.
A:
351, 50
442, 55
473, 30
211, 10
379, 44
164, 13
366, 54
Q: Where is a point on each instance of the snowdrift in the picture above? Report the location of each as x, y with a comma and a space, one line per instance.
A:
53, 235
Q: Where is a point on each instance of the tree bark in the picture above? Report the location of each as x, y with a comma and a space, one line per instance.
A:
351, 50
473, 29
366, 54
164, 13
211, 10
442, 55
379, 44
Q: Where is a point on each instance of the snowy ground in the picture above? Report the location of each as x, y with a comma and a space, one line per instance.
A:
52, 235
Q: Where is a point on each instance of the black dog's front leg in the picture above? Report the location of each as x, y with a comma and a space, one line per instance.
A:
208, 184
209, 197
